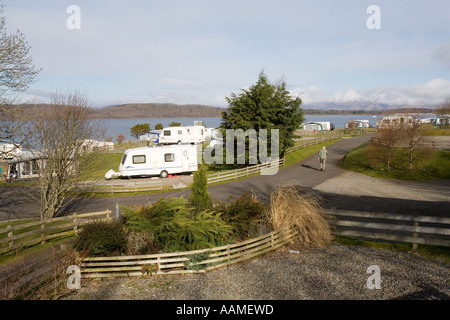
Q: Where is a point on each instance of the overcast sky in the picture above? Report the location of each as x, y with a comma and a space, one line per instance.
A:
194, 51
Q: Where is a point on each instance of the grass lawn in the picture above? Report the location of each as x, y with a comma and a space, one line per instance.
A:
370, 160
97, 164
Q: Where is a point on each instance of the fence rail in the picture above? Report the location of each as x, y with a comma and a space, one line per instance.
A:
411, 229
196, 261
17, 236
312, 142
131, 186
263, 168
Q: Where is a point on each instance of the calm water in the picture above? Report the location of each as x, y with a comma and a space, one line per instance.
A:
114, 127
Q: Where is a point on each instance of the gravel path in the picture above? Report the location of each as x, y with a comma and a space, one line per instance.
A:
337, 272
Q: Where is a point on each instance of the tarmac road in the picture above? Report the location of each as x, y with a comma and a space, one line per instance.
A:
15, 203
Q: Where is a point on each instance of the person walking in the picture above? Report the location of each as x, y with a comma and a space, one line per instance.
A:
323, 158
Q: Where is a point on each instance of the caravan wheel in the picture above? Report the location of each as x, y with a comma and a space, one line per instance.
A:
163, 174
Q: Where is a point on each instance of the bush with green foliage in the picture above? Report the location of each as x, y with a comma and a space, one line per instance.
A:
243, 215
139, 128
102, 238
177, 227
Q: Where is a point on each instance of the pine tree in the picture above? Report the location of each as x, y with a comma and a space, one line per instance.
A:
199, 197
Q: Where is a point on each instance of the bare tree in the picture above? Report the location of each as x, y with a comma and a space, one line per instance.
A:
414, 139
61, 135
17, 72
389, 138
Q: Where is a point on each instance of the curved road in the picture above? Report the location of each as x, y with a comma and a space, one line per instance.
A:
16, 204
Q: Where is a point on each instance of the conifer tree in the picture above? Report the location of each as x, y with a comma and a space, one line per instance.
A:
199, 197
265, 106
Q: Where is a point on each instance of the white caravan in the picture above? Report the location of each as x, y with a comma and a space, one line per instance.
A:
185, 134
357, 124
157, 161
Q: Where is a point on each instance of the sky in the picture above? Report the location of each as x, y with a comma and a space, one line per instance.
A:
202, 51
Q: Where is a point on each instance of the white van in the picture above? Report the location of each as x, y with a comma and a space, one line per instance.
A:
157, 161
185, 134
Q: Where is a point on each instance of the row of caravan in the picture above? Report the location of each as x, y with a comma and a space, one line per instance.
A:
175, 152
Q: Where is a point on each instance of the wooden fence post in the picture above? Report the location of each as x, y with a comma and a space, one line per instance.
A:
75, 224
333, 227
415, 235
10, 234
42, 232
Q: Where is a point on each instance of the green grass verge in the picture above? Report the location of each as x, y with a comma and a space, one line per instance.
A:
19, 254
302, 154
370, 160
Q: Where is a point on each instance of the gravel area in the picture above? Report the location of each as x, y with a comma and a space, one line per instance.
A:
337, 272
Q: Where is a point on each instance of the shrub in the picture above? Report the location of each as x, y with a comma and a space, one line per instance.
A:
297, 208
102, 239
140, 242
243, 214
177, 227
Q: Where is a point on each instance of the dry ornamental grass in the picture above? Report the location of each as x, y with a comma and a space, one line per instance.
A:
295, 207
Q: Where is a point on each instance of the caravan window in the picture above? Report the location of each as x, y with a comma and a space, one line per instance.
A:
35, 167
124, 158
26, 168
180, 132
139, 159
169, 157
167, 133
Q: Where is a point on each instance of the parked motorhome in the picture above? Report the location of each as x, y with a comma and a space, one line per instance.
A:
157, 161
357, 124
318, 125
31, 165
396, 121
182, 134
28, 165
149, 136
442, 121
212, 133
94, 145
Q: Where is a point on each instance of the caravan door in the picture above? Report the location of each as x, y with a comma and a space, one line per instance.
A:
185, 159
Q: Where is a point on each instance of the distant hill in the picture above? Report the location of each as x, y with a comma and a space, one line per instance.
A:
156, 110
170, 110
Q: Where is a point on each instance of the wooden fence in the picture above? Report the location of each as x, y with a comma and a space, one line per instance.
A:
131, 186
18, 235
264, 168
403, 228
196, 261
312, 142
